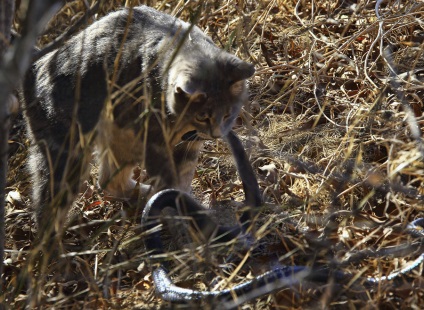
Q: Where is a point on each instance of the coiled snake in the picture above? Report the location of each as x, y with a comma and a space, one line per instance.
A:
277, 278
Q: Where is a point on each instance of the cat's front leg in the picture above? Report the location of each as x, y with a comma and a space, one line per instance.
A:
118, 152
172, 167
162, 172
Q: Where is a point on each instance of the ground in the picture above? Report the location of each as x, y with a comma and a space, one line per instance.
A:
333, 134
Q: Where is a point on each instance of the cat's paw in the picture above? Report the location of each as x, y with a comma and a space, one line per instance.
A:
131, 190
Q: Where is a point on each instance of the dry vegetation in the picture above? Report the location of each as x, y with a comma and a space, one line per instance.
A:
331, 140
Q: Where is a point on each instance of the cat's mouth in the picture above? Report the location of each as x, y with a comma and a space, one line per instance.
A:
194, 135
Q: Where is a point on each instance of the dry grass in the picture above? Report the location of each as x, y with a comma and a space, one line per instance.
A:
329, 139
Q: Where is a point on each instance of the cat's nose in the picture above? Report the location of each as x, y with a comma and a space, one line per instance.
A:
216, 133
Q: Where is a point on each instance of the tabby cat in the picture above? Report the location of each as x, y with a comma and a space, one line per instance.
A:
144, 88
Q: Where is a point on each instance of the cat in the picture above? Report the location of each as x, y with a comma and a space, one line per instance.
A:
144, 88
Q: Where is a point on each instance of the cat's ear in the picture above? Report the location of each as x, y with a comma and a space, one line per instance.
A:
180, 90
238, 69
189, 93
183, 86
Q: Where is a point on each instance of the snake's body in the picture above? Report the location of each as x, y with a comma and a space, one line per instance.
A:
277, 278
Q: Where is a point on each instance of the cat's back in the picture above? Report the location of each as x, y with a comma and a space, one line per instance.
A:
138, 25
140, 21
142, 29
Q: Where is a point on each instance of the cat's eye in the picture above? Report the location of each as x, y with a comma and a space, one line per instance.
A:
202, 117
226, 117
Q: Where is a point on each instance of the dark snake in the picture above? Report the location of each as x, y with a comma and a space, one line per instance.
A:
275, 279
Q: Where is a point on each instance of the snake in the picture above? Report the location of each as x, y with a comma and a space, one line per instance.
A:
275, 279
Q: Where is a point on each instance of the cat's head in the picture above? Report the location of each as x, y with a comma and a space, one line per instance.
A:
207, 93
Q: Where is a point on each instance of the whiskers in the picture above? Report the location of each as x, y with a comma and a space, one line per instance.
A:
190, 136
